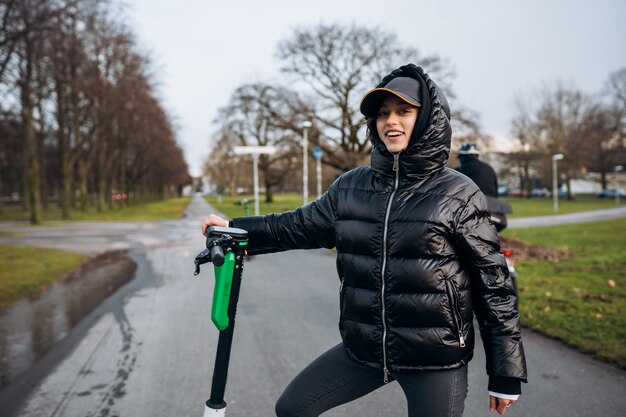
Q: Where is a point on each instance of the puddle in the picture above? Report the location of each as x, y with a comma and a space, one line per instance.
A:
30, 327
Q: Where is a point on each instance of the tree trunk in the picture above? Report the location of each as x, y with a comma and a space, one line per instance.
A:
65, 163
1, 192
527, 184
24, 184
232, 186
31, 165
269, 195
101, 178
84, 197
108, 198
41, 154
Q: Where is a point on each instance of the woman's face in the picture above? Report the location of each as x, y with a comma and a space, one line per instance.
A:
395, 122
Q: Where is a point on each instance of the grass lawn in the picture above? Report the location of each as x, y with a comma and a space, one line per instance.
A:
161, 210
232, 207
522, 207
580, 300
21, 276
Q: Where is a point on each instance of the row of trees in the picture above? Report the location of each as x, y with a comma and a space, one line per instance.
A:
589, 130
79, 117
326, 69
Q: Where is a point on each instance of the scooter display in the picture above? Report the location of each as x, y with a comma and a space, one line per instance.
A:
226, 249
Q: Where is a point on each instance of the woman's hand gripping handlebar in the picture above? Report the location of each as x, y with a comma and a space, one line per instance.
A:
215, 244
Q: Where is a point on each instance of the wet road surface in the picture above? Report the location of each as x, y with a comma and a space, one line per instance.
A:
30, 327
149, 349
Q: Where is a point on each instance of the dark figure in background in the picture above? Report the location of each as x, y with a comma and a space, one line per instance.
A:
485, 177
481, 173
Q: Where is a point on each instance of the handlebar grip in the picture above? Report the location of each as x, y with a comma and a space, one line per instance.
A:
217, 255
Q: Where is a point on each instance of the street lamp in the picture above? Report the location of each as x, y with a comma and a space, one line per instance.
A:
255, 151
615, 171
555, 192
305, 157
525, 179
317, 154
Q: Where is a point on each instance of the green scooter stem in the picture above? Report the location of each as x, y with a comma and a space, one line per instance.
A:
222, 356
222, 290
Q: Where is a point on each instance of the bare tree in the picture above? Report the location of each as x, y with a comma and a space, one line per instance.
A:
338, 64
525, 128
10, 151
607, 123
85, 98
261, 114
564, 120
25, 27
602, 148
561, 119
616, 87
223, 167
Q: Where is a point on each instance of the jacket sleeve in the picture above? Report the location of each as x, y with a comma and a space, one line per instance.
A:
308, 227
493, 292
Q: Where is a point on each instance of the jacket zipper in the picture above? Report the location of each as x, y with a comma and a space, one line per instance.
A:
396, 168
456, 314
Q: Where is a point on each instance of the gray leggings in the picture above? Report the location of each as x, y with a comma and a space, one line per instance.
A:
334, 379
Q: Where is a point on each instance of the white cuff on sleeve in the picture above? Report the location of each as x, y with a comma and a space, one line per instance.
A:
513, 397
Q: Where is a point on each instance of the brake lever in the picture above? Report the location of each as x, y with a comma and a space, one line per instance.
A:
223, 241
202, 258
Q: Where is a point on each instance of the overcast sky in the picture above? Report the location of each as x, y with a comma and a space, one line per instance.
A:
204, 49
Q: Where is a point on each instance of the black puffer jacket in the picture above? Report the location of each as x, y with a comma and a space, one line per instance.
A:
416, 255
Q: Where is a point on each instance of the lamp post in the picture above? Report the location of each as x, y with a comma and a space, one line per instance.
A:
616, 169
305, 159
317, 154
255, 151
555, 192
526, 178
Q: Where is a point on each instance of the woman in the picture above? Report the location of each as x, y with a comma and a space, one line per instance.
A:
416, 255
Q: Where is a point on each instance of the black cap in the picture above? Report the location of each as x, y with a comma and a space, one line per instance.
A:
405, 88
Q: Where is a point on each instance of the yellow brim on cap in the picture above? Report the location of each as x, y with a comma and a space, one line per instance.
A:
367, 109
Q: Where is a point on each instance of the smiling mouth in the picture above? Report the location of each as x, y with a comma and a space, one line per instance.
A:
393, 135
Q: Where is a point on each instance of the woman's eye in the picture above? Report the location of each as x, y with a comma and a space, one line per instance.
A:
382, 113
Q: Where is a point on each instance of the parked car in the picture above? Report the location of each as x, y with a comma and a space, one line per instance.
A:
563, 193
518, 193
612, 193
503, 189
540, 192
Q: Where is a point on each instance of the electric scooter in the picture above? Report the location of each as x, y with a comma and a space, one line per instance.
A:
226, 249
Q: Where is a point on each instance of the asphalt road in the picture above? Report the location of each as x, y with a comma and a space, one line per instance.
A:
149, 349
558, 219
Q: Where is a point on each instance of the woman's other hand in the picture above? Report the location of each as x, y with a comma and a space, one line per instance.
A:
213, 220
499, 404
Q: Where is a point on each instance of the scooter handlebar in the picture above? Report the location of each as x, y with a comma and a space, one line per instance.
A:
217, 255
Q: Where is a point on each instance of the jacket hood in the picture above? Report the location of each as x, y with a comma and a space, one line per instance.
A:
429, 145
